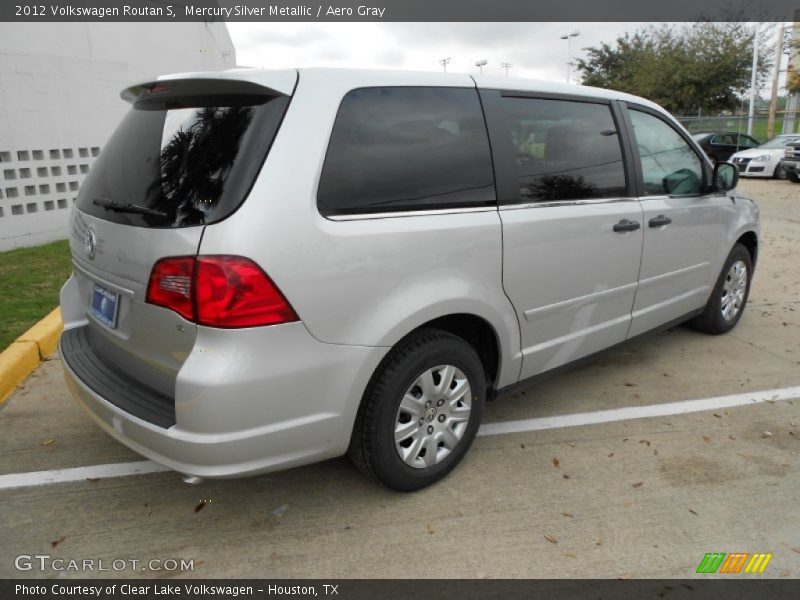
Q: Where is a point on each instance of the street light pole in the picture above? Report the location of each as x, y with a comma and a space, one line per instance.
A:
753, 78
444, 62
568, 36
506, 66
481, 63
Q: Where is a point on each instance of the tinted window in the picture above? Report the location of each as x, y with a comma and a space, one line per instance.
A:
747, 142
185, 160
669, 165
403, 148
724, 139
565, 150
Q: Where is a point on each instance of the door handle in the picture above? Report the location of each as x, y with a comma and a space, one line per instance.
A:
626, 225
659, 221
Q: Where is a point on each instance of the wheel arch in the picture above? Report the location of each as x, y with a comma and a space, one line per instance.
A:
749, 240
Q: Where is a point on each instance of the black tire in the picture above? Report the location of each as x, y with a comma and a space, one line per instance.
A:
794, 177
779, 173
372, 445
711, 319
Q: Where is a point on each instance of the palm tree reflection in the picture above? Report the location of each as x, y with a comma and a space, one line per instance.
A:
196, 161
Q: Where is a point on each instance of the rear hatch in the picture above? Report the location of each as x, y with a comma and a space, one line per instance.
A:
185, 156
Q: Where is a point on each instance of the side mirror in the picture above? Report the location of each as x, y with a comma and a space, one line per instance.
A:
725, 178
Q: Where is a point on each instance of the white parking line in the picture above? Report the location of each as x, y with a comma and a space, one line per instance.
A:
18, 480
35, 478
640, 412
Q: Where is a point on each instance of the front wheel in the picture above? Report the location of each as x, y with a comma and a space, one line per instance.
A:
779, 173
729, 297
420, 412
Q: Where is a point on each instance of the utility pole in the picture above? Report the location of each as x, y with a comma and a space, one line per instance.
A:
444, 62
506, 66
773, 102
753, 79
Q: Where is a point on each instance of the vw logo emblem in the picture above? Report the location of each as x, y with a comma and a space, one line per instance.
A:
90, 243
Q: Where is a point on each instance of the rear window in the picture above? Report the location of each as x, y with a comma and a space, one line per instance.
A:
187, 153
407, 148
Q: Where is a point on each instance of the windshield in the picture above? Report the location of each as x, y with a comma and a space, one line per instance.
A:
182, 161
779, 143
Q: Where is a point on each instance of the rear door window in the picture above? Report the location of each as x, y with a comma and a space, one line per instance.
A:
185, 154
406, 149
564, 149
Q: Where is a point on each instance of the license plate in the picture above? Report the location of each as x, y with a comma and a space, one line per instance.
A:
104, 306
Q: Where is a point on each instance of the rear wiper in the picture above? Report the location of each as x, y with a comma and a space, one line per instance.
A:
128, 208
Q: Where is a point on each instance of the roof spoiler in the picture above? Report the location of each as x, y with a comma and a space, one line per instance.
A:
177, 93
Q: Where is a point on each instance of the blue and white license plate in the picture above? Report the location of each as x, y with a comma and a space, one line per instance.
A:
105, 305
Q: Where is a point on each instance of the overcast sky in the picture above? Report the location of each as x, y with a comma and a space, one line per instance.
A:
534, 49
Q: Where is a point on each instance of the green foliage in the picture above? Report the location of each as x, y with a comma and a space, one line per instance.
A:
30, 279
702, 66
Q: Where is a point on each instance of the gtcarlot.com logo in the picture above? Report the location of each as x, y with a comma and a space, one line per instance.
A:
735, 562
45, 562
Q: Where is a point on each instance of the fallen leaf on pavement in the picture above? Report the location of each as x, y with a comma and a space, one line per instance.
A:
55, 543
638, 484
692, 511
706, 439
566, 514
556, 462
199, 507
45, 443
550, 538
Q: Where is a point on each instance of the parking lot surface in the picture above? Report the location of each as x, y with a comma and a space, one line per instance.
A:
643, 497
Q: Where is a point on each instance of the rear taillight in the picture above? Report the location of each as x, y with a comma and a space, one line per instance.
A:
218, 291
171, 285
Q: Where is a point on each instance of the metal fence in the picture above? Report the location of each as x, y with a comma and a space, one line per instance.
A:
788, 122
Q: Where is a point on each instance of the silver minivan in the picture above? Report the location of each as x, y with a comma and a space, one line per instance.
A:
273, 268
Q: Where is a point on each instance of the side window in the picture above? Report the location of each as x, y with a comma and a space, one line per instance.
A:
669, 165
747, 142
724, 139
407, 148
565, 150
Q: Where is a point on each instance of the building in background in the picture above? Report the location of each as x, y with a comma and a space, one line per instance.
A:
59, 103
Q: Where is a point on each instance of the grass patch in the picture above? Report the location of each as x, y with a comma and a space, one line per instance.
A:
30, 279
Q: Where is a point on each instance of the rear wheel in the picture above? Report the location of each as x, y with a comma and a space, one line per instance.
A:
420, 412
727, 301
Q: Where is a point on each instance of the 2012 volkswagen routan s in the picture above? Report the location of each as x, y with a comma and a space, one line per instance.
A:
273, 268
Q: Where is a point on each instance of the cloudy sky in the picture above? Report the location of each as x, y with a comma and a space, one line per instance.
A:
534, 49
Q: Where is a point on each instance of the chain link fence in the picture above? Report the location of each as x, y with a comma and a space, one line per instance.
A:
788, 122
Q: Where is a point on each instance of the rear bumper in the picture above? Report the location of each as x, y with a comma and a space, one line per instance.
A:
246, 401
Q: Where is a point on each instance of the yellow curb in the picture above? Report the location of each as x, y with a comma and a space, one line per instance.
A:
45, 333
27, 351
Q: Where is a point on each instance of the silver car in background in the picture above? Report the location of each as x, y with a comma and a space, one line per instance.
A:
273, 268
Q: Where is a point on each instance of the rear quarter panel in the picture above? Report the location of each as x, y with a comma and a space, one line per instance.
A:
364, 282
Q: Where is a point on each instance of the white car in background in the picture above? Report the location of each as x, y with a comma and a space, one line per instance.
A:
764, 161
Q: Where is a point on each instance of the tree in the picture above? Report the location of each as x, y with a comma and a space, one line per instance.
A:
700, 66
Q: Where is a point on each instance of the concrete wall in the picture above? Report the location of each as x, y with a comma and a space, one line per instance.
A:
59, 103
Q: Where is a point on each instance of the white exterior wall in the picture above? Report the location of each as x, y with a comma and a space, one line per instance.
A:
59, 103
